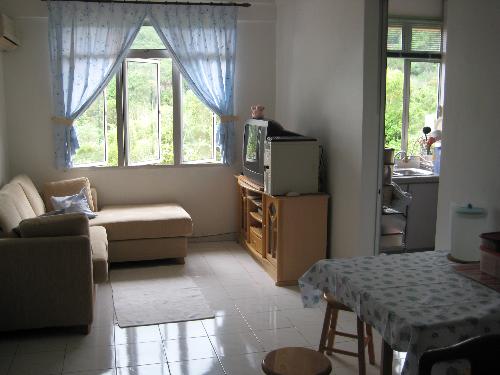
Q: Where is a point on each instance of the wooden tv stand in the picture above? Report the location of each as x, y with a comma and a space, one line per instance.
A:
286, 235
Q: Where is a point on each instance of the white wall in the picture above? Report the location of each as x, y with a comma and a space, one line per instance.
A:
320, 59
420, 8
3, 128
208, 193
471, 126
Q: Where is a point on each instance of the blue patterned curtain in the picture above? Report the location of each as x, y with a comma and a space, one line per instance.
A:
202, 41
88, 42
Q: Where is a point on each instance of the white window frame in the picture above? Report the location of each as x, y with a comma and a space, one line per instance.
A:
121, 109
105, 131
408, 57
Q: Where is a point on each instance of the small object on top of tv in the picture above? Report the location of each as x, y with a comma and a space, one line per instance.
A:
258, 111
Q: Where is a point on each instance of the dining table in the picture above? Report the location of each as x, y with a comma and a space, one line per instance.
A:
416, 301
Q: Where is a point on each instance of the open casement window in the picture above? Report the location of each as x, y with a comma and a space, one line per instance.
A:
147, 115
413, 81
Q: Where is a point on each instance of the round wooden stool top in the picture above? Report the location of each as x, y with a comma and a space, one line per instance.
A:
296, 361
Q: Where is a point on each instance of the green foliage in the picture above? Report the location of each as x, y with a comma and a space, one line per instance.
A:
423, 101
142, 111
394, 103
90, 129
424, 78
147, 38
197, 128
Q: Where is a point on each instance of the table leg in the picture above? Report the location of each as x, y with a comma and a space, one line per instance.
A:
386, 360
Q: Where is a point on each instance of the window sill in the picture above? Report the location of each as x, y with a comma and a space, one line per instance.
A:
149, 166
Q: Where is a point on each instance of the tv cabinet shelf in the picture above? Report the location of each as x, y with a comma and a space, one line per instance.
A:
256, 216
286, 235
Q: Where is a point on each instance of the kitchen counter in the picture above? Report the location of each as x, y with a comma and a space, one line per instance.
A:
421, 214
416, 179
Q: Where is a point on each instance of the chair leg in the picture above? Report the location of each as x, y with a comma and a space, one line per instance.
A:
361, 346
331, 332
371, 351
326, 327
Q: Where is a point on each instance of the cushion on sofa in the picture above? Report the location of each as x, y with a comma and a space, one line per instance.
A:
73, 203
9, 215
31, 193
67, 187
129, 222
74, 224
14, 207
23, 206
99, 244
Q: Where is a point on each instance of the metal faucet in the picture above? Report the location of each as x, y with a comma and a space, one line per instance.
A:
400, 155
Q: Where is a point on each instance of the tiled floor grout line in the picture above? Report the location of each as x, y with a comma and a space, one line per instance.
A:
214, 349
64, 357
12, 359
164, 348
114, 336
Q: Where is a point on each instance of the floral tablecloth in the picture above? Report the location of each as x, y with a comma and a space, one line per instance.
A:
416, 301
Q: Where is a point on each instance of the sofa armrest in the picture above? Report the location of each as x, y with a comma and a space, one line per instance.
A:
45, 282
74, 224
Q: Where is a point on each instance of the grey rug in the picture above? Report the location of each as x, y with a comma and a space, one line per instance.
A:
156, 294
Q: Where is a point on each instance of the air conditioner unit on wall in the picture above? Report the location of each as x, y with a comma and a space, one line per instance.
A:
8, 36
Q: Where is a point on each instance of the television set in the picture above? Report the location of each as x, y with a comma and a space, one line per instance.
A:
255, 134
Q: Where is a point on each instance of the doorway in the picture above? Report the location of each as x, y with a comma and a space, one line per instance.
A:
412, 126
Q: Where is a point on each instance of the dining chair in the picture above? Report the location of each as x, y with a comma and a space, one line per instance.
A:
481, 352
329, 332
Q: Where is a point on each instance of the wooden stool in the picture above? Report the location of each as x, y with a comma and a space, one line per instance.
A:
296, 361
330, 330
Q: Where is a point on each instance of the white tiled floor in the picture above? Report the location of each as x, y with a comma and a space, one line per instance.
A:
252, 317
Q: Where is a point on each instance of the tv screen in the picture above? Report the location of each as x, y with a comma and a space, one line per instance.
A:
253, 150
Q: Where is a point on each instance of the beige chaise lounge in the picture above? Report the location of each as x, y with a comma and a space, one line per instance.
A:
47, 275
134, 232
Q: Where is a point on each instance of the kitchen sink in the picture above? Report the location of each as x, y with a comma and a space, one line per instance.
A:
403, 172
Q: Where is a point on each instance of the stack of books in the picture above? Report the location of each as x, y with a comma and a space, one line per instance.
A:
490, 254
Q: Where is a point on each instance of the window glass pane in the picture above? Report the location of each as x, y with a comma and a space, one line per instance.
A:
147, 38
90, 129
111, 124
95, 143
395, 38
425, 39
166, 112
142, 111
424, 80
394, 103
197, 128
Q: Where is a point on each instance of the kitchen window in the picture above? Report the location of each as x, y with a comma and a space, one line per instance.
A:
413, 81
147, 115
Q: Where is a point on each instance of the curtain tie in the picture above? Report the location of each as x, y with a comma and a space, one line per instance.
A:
229, 118
62, 120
